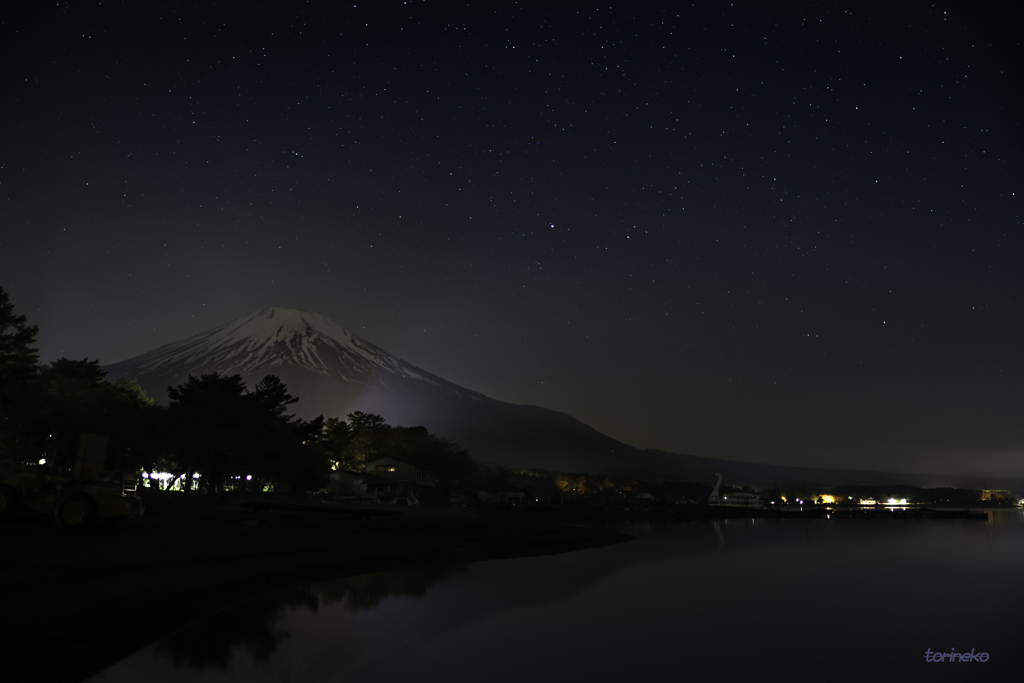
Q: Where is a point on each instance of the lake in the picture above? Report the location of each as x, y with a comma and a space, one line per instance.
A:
776, 599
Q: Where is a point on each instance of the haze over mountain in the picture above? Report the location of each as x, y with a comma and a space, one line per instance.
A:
334, 372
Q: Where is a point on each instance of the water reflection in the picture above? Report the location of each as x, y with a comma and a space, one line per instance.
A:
717, 526
252, 626
366, 591
849, 599
256, 627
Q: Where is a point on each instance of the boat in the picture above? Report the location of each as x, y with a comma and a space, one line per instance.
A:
746, 501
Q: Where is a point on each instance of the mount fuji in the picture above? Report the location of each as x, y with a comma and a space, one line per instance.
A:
333, 372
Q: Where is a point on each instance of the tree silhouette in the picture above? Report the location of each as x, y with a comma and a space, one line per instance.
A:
368, 440
221, 431
334, 442
208, 416
272, 394
18, 360
19, 372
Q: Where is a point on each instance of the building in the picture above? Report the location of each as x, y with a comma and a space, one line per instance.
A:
358, 484
395, 477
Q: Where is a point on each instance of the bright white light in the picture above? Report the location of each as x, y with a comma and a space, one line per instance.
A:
248, 477
42, 461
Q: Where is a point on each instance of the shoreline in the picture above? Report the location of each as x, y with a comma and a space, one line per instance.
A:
76, 604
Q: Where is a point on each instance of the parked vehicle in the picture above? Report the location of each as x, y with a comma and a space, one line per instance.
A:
71, 484
405, 501
367, 500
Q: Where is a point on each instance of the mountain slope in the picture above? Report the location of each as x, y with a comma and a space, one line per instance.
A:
334, 372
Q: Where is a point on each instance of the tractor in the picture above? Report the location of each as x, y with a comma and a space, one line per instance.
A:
71, 484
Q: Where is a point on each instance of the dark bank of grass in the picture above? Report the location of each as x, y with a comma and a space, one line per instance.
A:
74, 604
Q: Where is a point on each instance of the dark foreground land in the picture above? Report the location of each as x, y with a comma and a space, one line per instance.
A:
73, 604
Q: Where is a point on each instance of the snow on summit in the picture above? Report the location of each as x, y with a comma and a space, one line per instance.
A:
277, 337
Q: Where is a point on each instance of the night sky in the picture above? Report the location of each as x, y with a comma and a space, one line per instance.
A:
731, 230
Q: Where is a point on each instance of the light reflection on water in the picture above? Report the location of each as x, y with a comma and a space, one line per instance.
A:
844, 599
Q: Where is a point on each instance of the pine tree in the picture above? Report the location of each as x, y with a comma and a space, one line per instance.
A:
272, 394
18, 360
19, 372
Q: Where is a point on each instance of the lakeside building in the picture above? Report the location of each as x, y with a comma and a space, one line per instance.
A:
396, 477
359, 484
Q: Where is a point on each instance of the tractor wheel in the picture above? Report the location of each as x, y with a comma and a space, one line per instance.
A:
11, 505
75, 512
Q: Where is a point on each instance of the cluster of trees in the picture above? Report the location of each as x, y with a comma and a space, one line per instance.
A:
214, 426
366, 436
553, 486
65, 395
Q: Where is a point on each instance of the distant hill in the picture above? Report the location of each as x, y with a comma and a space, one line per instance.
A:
694, 468
333, 372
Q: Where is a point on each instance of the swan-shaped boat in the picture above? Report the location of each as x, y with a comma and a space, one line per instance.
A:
747, 501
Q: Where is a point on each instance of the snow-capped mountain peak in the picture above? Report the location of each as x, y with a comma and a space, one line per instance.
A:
272, 337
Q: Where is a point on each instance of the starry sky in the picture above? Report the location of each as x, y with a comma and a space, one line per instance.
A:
787, 234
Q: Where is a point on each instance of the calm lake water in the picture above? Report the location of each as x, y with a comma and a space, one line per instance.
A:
774, 599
